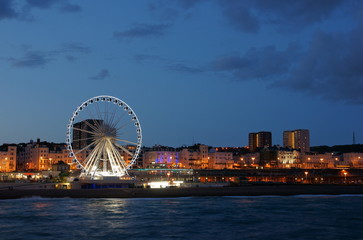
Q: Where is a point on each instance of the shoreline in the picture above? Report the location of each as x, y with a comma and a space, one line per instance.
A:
246, 190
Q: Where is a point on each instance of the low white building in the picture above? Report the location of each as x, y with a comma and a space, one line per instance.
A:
220, 160
288, 158
326, 160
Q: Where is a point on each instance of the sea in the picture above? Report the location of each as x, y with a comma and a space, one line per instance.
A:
261, 218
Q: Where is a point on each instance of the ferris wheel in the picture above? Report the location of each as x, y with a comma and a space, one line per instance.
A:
104, 137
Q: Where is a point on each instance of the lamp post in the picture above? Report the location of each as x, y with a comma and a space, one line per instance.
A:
345, 177
306, 176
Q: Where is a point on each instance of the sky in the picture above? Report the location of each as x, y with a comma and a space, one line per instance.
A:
194, 71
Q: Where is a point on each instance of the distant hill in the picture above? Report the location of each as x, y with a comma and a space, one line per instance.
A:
338, 148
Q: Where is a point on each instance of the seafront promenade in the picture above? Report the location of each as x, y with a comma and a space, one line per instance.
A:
246, 190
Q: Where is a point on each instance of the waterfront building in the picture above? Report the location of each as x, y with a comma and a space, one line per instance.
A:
220, 160
288, 158
317, 160
249, 160
161, 159
40, 156
7, 158
353, 159
33, 156
297, 139
195, 157
259, 140
187, 158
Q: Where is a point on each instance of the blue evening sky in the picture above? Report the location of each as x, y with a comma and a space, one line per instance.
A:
204, 71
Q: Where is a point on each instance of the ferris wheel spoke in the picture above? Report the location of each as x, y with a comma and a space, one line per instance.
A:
86, 147
119, 161
89, 111
83, 130
119, 119
121, 140
95, 129
116, 160
124, 149
96, 154
106, 113
92, 161
113, 114
84, 139
122, 126
99, 114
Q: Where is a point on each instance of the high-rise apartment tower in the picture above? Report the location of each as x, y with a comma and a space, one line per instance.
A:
259, 140
297, 139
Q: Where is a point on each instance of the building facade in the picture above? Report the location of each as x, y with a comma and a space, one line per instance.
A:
318, 160
353, 159
297, 139
161, 159
259, 140
288, 158
40, 156
7, 158
220, 160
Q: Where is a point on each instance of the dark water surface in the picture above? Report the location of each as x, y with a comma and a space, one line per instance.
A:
269, 217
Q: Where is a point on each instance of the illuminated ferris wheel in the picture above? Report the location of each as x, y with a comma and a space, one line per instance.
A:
104, 137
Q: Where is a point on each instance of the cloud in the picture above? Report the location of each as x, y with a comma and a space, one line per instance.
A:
331, 68
240, 15
147, 57
74, 48
71, 8
70, 58
63, 5
70, 51
183, 68
168, 63
262, 63
103, 74
43, 4
31, 59
285, 15
6, 10
188, 4
170, 10
143, 30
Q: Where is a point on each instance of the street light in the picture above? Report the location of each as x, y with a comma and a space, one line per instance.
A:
306, 176
345, 177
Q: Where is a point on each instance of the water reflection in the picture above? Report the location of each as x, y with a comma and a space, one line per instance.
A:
191, 218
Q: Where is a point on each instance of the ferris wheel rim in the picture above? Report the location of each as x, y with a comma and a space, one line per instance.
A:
116, 101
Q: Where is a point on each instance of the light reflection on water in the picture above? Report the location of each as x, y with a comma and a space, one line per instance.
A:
296, 217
